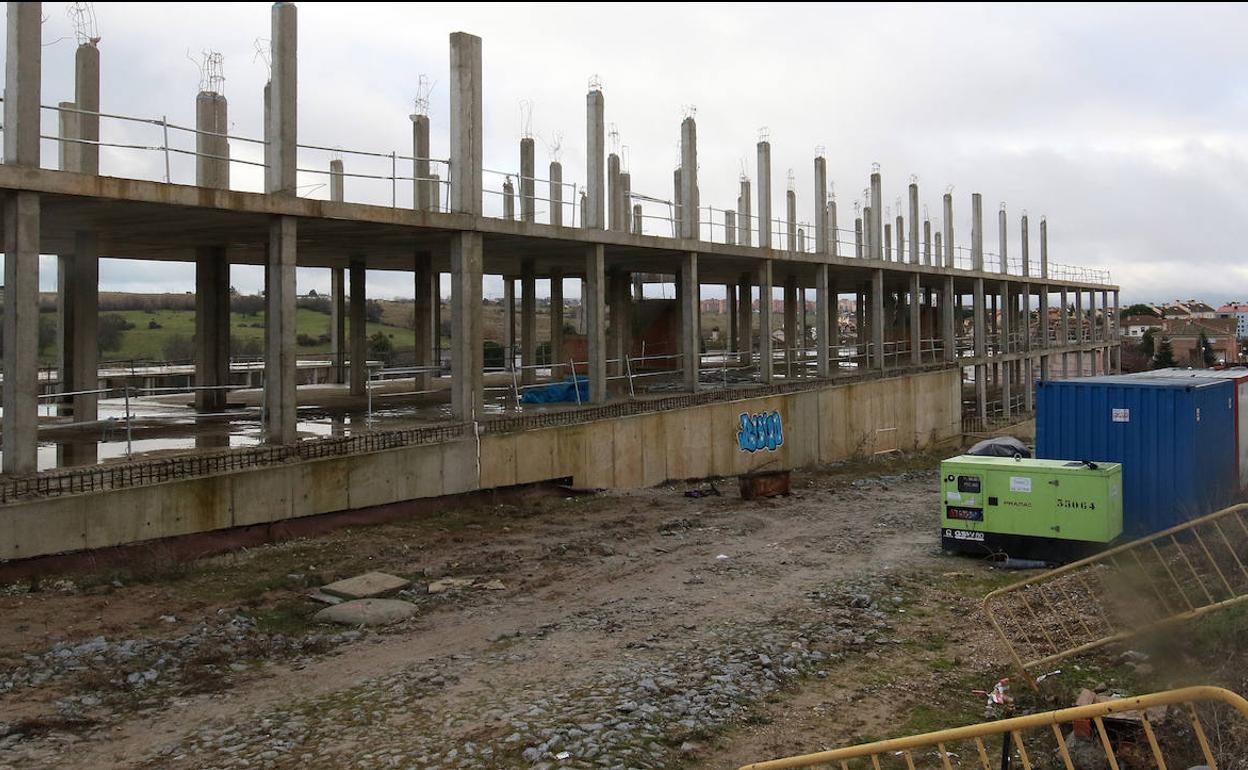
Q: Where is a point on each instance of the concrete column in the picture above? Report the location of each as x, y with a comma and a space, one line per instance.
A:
689, 179
282, 129
764, 195
423, 279
765, 364
861, 326
790, 324
821, 206
615, 197
1026, 253
212, 268
858, 253
528, 323
939, 255
744, 226
638, 223
557, 359
730, 228
593, 301
948, 324
359, 329
888, 243
21, 279
981, 341
790, 230
1044, 248
466, 139
509, 322
914, 226
626, 199
435, 185
556, 193
467, 354
528, 181
927, 242
916, 317
877, 316
68, 156
824, 302
901, 240
436, 278
422, 187
509, 199
1007, 313
1004, 244
834, 245
977, 233
594, 216
875, 223
1063, 321
1117, 351
950, 252
1106, 333
1079, 338
745, 308
23, 70
337, 321
690, 318
1042, 329
279, 330
730, 306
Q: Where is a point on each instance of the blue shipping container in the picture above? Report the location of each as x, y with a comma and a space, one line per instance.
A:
1175, 440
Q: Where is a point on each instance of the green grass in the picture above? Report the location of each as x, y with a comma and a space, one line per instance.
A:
142, 342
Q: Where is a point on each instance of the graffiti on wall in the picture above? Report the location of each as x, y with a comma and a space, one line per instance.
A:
760, 431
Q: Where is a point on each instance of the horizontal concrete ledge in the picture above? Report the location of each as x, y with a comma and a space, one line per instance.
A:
104, 188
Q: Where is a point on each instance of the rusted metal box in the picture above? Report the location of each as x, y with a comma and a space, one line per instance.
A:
764, 484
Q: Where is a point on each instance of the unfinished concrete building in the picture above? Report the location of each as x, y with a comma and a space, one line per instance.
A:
937, 337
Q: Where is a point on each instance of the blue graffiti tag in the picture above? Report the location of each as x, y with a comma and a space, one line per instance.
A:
760, 431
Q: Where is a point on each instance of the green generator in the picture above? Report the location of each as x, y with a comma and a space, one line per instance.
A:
1050, 510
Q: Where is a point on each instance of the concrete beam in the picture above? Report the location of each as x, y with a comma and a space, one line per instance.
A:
359, 328
593, 301
467, 131
279, 366
467, 385
282, 126
595, 142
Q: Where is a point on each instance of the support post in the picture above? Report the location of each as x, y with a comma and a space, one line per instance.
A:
745, 312
338, 321
764, 196
744, 226
790, 230
821, 207
21, 269
359, 330
423, 286
690, 319
916, 316
528, 182
1007, 313
528, 323
981, 346
467, 354
556, 324
914, 224
877, 316
824, 301
280, 406
595, 203
765, 363
948, 325
950, 256
615, 197
593, 301
466, 134
875, 225
556, 193
689, 179
422, 186
790, 324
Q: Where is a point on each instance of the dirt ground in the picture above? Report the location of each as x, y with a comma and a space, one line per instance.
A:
640, 629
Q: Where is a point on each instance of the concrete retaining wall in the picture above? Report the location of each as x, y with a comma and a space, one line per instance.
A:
820, 425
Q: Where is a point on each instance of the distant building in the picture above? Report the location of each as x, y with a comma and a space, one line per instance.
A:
1134, 326
1188, 308
1238, 311
1184, 335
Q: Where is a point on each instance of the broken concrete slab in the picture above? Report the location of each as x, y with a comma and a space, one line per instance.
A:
367, 612
367, 586
446, 584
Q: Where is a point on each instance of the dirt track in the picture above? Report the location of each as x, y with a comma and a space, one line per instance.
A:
642, 629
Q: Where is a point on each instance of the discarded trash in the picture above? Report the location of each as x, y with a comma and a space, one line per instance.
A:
1010, 562
563, 755
708, 491
722, 556
558, 392
1042, 677
999, 699
764, 484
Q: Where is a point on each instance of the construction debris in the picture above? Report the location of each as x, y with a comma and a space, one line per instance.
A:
370, 585
367, 612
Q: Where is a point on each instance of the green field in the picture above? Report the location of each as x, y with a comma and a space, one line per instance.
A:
146, 343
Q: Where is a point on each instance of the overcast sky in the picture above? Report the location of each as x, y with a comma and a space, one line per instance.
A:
1123, 124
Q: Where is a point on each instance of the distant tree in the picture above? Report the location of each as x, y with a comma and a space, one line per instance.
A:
246, 304
1139, 309
1165, 355
111, 329
380, 346
1148, 342
372, 311
1204, 349
492, 354
245, 346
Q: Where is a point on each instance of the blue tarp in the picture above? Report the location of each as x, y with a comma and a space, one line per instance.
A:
558, 392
